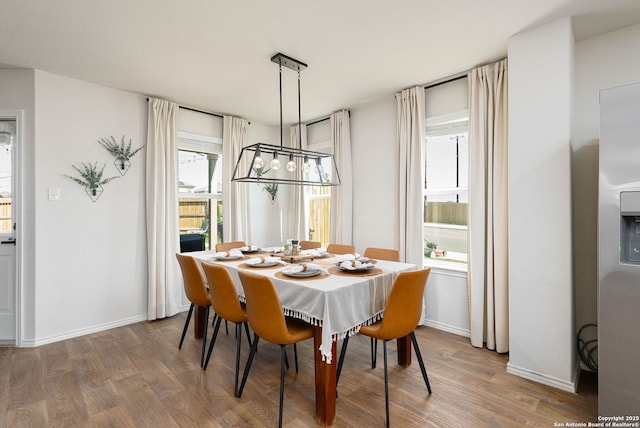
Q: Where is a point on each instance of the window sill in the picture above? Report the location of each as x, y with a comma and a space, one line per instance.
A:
450, 268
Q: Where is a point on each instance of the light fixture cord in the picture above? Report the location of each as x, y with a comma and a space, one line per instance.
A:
280, 74
299, 114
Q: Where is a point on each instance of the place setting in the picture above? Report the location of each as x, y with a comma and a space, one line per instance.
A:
362, 266
301, 271
261, 262
229, 255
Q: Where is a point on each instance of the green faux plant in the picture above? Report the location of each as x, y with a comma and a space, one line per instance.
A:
122, 152
91, 178
270, 188
429, 247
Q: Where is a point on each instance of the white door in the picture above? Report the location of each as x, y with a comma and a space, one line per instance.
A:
8, 141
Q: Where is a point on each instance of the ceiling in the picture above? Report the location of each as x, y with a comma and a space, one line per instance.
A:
214, 55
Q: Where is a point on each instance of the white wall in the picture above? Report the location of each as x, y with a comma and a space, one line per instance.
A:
601, 62
91, 267
541, 301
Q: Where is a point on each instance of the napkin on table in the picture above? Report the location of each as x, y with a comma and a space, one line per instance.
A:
249, 248
355, 264
230, 253
343, 257
261, 260
302, 267
315, 252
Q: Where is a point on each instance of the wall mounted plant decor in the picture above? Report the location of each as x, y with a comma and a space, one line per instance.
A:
91, 179
270, 188
122, 152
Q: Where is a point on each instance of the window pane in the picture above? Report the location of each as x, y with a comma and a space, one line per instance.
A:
7, 128
200, 204
319, 218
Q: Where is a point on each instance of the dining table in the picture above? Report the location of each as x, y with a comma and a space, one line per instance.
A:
336, 302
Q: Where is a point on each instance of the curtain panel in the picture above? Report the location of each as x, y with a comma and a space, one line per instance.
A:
410, 134
341, 223
488, 272
235, 196
165, 280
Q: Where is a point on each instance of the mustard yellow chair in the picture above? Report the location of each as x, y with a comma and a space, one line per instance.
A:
401, 317
267, 320
196, 291
226, 246
226, 305
382, 254
310, 245
341, 249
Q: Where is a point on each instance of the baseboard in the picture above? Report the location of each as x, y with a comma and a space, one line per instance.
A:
84, 331
7, 343
569, 386
448, 328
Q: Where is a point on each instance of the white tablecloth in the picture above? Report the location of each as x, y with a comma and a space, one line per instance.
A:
339, 304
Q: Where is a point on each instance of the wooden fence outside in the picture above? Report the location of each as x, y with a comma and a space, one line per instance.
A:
5, 215
446, 213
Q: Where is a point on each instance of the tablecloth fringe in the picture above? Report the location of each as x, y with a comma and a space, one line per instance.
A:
302, 316
354, 330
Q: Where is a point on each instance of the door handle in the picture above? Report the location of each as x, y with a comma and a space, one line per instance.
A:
12, 241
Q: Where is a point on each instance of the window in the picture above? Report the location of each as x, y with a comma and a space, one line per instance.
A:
318, 200
446, 168
7, 133
200, 187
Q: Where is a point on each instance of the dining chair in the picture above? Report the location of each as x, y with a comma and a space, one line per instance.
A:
401, 317
196, 291
267, 320
382, 254
226, 305
310, 245
226, 246
341, 249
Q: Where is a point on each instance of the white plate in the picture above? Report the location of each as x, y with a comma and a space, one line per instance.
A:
302, 274
265, 264
228, 257
357, 269
249, 250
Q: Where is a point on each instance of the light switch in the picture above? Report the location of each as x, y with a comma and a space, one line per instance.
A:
54, 193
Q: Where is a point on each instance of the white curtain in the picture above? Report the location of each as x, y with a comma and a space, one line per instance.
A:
488, 274
165, 283
235, 196
299, 216
341, 222
410, 138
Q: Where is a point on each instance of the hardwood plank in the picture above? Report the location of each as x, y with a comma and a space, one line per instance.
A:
136, 376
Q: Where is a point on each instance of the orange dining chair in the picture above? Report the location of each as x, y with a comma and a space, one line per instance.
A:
267, 320
310, 245
401, 317
341, 249
382, 254
226, 305
226, 246
196, 291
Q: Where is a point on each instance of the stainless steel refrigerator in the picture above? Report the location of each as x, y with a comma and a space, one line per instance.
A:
619, 253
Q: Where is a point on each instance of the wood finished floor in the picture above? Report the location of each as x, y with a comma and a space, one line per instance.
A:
135, 376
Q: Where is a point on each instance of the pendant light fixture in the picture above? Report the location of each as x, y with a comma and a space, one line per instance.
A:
260, 163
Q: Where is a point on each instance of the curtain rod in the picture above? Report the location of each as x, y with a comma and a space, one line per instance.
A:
446, 80
201, 111
322, 120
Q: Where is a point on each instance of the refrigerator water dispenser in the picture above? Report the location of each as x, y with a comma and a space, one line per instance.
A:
630, 227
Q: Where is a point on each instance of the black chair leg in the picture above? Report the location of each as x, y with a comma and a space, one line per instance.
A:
386, 381
286, 359
213, 342
226, 327
374, 352
419, 355
238, 342
215, 317
256, 338
246, 330
204, 335
282, 359
186, 325
343, 352
295, 356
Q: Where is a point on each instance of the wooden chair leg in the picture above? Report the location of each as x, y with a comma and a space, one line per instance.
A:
186, 325
256, 338
419, 356
213, 342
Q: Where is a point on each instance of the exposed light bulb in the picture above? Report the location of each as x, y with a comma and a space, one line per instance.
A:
305, 166
258, 162
319, 167
275, 163
291, 165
